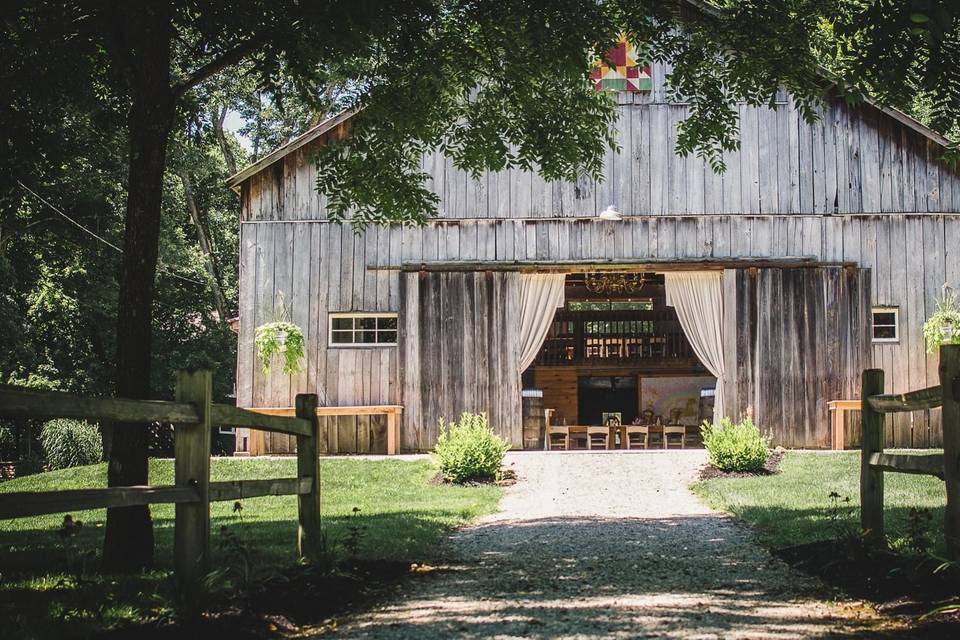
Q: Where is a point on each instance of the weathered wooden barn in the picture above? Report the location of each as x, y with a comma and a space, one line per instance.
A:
830, 241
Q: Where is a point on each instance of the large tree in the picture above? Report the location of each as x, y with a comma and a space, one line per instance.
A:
492, 83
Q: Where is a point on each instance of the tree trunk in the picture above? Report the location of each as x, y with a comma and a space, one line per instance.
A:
144, 52
203, 238
225, 149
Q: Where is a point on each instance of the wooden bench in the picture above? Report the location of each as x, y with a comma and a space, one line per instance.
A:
391, 411
838, 411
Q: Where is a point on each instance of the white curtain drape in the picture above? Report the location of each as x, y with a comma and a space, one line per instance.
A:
540, 295
698, 299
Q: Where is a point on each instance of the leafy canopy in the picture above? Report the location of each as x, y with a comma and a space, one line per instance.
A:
899, 51
505, 85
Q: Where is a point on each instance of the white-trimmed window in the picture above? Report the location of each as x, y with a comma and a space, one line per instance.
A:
363, 329
886, 324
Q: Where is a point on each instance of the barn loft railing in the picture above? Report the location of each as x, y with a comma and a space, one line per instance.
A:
615, 338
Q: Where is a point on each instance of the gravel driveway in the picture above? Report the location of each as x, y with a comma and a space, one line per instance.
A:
604, 544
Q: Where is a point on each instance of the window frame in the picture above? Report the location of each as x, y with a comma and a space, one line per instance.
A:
337, 315
896, 324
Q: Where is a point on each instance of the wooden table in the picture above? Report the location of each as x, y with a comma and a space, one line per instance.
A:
838, 410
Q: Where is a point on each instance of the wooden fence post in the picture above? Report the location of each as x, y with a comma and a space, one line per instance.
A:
308, 466
191, 446
871, 480
950, 388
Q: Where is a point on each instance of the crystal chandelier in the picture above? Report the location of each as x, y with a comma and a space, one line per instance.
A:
607, 283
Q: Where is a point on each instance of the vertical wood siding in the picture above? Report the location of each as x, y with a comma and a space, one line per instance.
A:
460, 352
910, 256
801, 340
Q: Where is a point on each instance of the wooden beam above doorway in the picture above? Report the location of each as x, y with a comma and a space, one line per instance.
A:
623, 265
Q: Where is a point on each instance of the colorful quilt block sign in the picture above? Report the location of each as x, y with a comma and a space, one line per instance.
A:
624, 73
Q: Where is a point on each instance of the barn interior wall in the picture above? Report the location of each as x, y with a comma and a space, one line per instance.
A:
559, 386
676, 397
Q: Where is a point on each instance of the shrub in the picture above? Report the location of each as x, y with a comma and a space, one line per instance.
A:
735, 446
71, 443
469, 449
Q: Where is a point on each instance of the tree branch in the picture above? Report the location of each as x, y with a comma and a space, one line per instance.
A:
218, 118
203, 239
215, 66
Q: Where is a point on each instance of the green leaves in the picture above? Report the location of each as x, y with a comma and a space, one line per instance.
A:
284, 338
71, 443
469, 450
735, 446
897, 51
498, 86
947, 314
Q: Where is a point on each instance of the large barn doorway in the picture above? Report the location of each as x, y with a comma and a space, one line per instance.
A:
792, 339
616, 351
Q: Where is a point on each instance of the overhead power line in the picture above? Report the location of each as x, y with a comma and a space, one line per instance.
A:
60, 212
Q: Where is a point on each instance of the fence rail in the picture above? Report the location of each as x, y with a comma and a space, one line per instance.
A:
928, 398
874, 462
33, 503
193, 415
930, 465
237, 417
16, 402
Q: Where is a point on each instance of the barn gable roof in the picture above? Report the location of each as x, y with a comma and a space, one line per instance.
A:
302, 140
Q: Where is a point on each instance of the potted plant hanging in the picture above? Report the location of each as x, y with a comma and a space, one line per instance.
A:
283, 338
943, 327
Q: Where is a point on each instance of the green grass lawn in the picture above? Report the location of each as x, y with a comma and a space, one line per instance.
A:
404, 516
794, 506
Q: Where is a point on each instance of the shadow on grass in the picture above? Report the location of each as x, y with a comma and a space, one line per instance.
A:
407, 535
782, 526
50, 588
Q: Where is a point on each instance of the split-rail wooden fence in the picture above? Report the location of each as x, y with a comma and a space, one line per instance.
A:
193, 414
874, 462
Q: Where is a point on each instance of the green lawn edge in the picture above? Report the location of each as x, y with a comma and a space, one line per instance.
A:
794, 506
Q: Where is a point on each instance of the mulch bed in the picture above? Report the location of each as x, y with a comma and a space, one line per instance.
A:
507, 478
898, 586
295, 602
770, 468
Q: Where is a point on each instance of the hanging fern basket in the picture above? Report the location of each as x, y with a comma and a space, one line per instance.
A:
943, 327
280, 338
